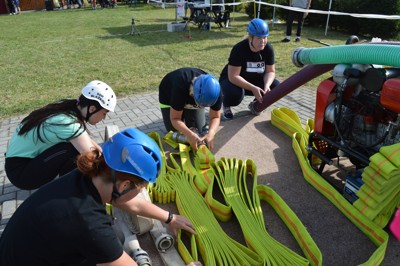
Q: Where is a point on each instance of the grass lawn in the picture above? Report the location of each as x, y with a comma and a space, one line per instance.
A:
46, 56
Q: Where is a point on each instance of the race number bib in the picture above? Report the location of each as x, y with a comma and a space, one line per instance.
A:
255, 67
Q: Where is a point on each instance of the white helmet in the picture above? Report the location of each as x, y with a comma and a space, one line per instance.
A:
99, 91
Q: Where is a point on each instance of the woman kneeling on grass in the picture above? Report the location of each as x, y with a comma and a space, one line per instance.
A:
47, 141
65, 222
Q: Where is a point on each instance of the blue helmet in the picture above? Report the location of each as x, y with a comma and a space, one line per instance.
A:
206, 90
258, 27
134, 152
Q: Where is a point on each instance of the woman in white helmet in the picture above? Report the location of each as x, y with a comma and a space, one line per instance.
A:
48, 140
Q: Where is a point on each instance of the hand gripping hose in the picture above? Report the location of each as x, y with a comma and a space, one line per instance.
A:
290, 84
299, 144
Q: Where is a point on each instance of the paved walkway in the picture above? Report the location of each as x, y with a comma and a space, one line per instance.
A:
140, 111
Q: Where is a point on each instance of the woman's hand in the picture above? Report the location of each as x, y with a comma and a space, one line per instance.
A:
266, 90
194, 140
180, 222
209, 141
258, 94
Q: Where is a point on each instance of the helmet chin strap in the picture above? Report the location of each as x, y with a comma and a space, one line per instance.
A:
89, 114
115, 194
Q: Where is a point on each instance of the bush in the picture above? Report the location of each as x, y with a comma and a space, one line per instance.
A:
382, 28
266, 12
237, 7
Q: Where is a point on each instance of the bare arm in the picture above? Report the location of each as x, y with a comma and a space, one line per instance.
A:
83, 143
215, 118
143, 207
269, 77
235, 78
178, 124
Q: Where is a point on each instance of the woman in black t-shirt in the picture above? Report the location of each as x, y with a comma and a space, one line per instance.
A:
65, 222
250, 69
184, 94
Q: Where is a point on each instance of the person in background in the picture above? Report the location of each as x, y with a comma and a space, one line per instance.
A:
183, 95
11, 7
62, 3
71, 3
16, 7
299, 16
250, 70
47, 141
66, 223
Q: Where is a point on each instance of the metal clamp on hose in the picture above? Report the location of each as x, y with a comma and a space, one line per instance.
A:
295, 57
163, 241
203, 142
141, 257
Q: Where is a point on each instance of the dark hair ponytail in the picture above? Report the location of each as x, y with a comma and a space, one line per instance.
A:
65, 106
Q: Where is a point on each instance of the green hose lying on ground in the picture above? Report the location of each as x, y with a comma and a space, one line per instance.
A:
299, 143
199, 186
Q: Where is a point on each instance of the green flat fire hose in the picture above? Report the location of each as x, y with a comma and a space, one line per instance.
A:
233, 176
379, 196
360, 214
214, 245
195, 185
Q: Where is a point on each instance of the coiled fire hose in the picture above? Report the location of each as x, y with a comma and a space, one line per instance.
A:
230, 176
287, 121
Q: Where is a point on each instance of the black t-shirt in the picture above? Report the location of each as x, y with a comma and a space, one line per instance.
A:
62, 223
174, 89
252, 63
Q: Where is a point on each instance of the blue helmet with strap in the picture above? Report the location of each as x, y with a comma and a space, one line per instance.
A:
134, 152
206, 90
258, 27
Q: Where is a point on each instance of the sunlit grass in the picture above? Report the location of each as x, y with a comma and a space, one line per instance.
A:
46, 56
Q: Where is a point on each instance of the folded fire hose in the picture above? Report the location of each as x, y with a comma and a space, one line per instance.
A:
193, 183
371, 211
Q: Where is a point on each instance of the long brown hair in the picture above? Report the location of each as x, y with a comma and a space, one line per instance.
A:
65, 106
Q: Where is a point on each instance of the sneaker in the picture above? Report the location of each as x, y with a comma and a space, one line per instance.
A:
227, 112
286, 40
254, 112
297, 39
